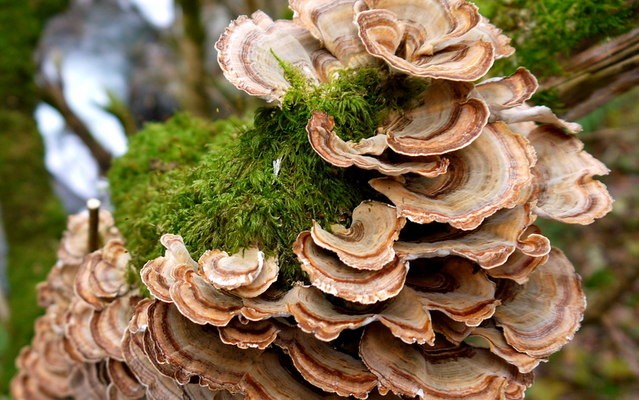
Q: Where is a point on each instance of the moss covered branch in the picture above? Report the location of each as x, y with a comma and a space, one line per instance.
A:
561, 41
261, 188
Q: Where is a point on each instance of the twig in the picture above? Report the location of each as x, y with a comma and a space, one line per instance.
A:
94, 221
121, 111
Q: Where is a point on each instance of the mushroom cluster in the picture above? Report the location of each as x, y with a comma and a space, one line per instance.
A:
441, 287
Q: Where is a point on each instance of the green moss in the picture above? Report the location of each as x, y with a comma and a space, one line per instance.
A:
20, 26
148, 174
33, 220
551, 98
545, 32
230, 196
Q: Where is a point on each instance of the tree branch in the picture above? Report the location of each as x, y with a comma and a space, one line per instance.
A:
597, 75
53, 94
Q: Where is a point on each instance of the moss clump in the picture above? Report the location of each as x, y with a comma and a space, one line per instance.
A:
262, 187
152, 168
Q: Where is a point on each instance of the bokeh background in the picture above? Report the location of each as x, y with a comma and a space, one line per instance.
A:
78, 77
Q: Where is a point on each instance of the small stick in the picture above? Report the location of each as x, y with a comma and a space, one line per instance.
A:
94, 210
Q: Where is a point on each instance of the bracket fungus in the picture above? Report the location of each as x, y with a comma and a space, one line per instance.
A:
482, 178
489, 245
430, 282
442, 119
339, 153
427, 38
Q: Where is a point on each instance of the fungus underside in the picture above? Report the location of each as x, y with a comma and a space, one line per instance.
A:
231, 195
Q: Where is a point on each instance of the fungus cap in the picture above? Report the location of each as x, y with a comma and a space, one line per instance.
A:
542, 315
483, 177
328, 145
332, 276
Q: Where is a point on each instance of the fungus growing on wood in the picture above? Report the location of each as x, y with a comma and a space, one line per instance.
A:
75, 240
197, 299
482, 178
453, 287
499, 347
518, 267
440, 372
102, 277
339, 153
442, 119
507, 92
245, 54
123, 382
250, 334
323, 366
247, 271
542, 315
332, 276
490, 245
410, 268
156, 273
108, 325
568, 192
425, 39
331, 23
314, 313
368, 243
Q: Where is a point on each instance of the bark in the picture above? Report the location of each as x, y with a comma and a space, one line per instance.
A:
597, 75
192, 46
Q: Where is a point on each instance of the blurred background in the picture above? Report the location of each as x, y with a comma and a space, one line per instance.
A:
78, 77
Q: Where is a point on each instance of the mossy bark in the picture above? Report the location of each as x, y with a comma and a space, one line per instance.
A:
33, 218
193, 49
549, 34
231, 195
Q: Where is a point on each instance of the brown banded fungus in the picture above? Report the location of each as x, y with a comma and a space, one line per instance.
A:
329, 369
339, 153
428, 38
490, 245
75, 240
542, 315
440, 372
433, 283
568, 192
331, 23
499, 347
368, 243
103, 275
442, 119
482, 178
247, 271
332, 276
